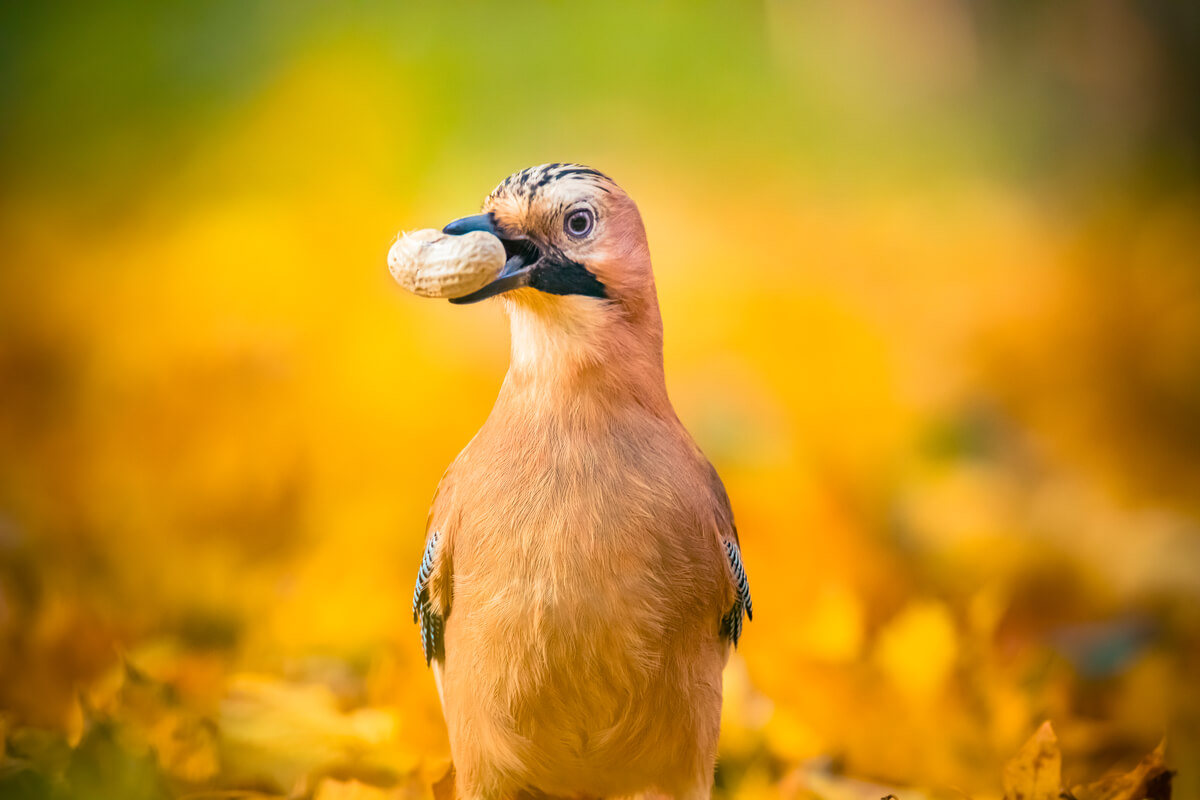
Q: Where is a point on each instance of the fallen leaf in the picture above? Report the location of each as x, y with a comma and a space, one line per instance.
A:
1035, 772
284, 733
1149, 780
187, 747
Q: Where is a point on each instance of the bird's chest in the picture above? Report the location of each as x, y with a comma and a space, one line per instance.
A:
551, 510
572, 557
580, 565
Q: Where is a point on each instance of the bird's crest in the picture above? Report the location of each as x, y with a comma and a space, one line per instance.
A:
528, 183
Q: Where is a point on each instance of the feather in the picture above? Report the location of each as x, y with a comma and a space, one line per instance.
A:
731, 625
431, 622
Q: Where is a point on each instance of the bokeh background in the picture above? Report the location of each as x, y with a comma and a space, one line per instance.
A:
930, 282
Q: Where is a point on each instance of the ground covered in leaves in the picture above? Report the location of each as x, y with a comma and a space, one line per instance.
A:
142, 739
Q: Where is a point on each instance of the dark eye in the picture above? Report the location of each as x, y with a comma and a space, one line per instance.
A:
579, 223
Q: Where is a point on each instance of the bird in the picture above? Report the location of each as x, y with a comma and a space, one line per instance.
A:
582, 582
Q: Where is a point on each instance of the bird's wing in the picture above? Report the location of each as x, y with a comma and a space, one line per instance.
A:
731, 623
432, 594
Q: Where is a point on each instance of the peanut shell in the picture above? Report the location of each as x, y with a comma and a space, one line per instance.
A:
434, 264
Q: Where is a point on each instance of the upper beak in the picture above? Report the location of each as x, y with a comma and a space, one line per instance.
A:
479, 222
522, 256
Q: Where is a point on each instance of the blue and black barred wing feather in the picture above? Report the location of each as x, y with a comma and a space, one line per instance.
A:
424, 613
731, 625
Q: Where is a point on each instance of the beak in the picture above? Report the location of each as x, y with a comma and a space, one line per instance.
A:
521, 252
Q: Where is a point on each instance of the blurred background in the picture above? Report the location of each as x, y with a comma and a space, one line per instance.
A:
930, 283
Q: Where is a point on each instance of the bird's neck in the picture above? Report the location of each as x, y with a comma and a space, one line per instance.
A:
575, 354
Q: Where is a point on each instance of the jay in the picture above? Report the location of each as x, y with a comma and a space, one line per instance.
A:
582, 581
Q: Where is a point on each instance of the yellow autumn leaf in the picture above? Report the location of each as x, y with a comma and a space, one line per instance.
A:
1035, 772
186, 747
283, 732
1149, 780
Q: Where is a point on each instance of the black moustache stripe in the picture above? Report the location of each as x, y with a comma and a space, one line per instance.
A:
563, 276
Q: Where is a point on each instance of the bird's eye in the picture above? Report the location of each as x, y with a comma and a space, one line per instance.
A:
579, 223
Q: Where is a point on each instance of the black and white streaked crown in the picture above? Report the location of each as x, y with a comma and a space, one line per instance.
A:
529, 182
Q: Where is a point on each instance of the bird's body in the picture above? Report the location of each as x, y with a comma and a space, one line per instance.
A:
579, 594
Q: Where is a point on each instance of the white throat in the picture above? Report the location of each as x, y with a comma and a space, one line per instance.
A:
556, 335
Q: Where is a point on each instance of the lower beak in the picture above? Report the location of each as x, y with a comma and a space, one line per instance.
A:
522, 256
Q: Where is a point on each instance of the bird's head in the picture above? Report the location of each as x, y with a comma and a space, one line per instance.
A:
578, 266
568, 230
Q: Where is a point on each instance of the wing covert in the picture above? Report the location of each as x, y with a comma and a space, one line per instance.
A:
424, 611
743, 607
731, 625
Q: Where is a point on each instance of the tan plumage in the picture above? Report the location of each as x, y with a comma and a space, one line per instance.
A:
578, 570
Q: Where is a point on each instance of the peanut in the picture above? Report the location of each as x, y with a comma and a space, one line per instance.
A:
434, 264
